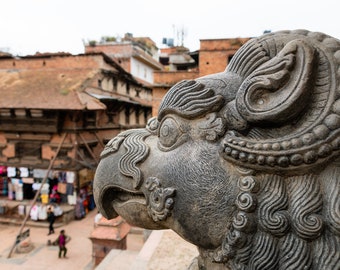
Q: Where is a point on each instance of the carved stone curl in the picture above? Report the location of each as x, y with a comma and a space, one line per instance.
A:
244, 163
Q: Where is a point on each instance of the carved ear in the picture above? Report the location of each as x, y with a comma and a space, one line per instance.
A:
277, 91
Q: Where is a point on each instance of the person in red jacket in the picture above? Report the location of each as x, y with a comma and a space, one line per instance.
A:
62, 244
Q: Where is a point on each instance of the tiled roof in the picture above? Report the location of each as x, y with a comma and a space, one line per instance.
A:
47, 89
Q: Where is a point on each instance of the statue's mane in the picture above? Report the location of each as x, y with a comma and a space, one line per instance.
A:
285, 222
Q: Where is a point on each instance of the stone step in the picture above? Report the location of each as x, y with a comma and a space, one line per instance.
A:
132, 260
118, 259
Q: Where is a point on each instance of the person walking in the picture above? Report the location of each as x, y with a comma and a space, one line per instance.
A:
62, 244
51, 219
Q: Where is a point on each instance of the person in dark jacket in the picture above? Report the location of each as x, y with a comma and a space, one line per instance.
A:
51, 219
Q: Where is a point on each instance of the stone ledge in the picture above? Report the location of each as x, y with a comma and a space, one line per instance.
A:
162, 250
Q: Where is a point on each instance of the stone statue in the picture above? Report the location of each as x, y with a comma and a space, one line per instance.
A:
245, 163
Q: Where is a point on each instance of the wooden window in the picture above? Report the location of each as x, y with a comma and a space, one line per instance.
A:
20, 112
89, 119
137, 116
5, 112
28, 149
145, 116
138, 92
127, 116
36, 113
115, 84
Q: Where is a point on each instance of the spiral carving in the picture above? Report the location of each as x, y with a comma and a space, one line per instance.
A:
233, 241
306, 204
248, 183
236, 239
243, 221
274, 202
240, 234
246, 202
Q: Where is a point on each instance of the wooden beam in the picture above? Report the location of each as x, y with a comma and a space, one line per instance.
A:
88, 148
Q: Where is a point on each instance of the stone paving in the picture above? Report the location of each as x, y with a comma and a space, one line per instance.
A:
44, 256
168, 251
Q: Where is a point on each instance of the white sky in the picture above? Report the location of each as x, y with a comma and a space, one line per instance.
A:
30, 26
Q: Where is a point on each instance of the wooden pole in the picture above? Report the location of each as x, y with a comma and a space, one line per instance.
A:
99, 140
88, 148
37, 193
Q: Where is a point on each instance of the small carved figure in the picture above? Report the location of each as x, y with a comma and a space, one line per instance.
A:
245, 163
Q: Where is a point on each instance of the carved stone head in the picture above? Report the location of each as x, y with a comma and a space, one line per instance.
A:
243, 164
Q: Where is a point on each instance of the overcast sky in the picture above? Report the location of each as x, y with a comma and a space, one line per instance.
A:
30, 26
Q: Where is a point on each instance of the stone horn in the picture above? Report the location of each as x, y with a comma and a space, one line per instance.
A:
286, 112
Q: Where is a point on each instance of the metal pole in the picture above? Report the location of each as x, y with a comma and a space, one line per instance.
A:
37, 194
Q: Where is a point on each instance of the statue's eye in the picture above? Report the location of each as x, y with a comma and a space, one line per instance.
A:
169, 134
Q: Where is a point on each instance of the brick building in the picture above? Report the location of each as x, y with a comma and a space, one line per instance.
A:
137, 55
75, 102
177, 58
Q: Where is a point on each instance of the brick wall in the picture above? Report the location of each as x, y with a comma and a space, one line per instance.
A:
120, 49
158, 94
215, 54
170, 78
55, 62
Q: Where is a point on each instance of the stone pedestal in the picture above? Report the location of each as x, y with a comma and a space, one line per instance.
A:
108, 235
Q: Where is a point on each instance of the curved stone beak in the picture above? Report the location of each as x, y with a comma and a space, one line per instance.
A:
109, 183
103, 181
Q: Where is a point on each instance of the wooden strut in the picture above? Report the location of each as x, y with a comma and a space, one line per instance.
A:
83, 161
99, 140
88, 148
37, 193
